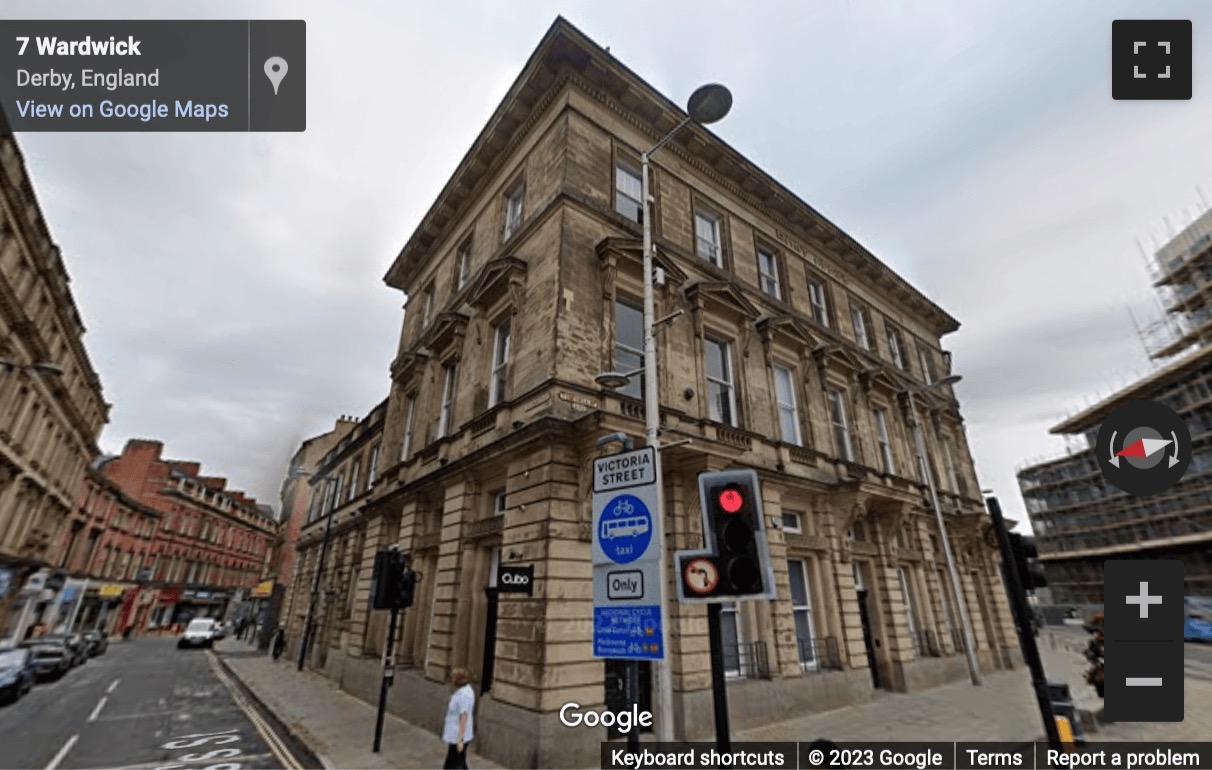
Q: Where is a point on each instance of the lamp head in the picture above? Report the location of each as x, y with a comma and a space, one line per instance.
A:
709, 103
950, 379
615, 380
48, 369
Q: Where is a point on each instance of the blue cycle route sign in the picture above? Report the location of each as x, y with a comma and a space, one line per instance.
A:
627, 632
625, 529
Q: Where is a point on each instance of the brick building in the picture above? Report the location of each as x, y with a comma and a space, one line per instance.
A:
194, 545
51, 404
792, 355
102, 548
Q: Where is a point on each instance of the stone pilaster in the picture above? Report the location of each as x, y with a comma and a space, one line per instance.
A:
841, 569
446, 582
784, 652
897, 643
361, 620
544, 642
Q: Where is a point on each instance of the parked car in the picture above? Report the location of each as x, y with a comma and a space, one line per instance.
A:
221, 630
17, 674
76, 644
97, 641
51, 657
199, 633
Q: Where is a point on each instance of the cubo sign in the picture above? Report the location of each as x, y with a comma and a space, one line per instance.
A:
515, 580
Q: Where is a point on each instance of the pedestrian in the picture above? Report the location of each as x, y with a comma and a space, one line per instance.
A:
279, 642
241, 624
458, 730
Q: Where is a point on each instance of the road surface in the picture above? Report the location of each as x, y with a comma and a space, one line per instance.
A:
145, 704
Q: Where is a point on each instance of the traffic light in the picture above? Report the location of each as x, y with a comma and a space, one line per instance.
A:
736, 560
381, 581
406, 581
393, 582
1026, 561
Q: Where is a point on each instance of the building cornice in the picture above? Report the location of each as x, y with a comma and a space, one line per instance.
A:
566, 56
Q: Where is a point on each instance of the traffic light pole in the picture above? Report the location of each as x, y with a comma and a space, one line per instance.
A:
1022, 619
719, 682
389, 673
633, 700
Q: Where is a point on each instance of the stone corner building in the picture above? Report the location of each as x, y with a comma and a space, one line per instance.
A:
791, 356
49, 421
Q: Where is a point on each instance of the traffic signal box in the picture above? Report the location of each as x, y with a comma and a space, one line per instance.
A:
1026, 560
735, 563
393, 583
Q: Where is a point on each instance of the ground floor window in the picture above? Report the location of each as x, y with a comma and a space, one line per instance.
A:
801, 607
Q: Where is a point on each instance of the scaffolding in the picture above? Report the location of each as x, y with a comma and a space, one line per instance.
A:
1079, 519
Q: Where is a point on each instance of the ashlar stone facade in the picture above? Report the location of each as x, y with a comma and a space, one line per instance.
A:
789, 350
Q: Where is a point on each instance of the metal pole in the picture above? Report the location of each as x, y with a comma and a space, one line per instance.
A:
633, 700
1022, 619
974, 668
719, 684
309, 623
389, 673
662, 668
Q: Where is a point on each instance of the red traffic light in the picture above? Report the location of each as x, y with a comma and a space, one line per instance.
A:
731, 500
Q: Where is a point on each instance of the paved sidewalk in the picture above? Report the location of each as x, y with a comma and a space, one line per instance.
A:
1002, 709
338, 727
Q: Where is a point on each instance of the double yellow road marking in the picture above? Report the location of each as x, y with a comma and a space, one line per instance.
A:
276, 745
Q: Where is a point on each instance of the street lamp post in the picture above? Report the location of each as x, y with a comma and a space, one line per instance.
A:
974, 669
310, 623
707, 104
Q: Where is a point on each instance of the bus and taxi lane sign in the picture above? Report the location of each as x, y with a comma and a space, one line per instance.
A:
625, 508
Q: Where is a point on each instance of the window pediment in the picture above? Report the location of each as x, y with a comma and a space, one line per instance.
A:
447, 332
501, 276
883, 379
785, 328
839, 355
630, 251
407, 366
723, 296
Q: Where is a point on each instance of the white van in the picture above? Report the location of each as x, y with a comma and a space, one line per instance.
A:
200, 632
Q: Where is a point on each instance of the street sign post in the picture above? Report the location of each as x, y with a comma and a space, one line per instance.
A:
627, 612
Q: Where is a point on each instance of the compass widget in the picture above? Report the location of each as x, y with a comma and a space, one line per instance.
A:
1144, 448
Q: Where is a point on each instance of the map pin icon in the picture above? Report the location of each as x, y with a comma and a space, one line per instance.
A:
275, 70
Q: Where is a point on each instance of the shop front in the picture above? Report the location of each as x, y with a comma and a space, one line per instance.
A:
101, 604
164, 610
199, 603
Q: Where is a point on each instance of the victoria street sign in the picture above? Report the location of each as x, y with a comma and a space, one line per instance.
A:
626, 598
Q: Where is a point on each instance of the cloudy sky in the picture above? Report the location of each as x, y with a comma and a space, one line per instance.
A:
232, 283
